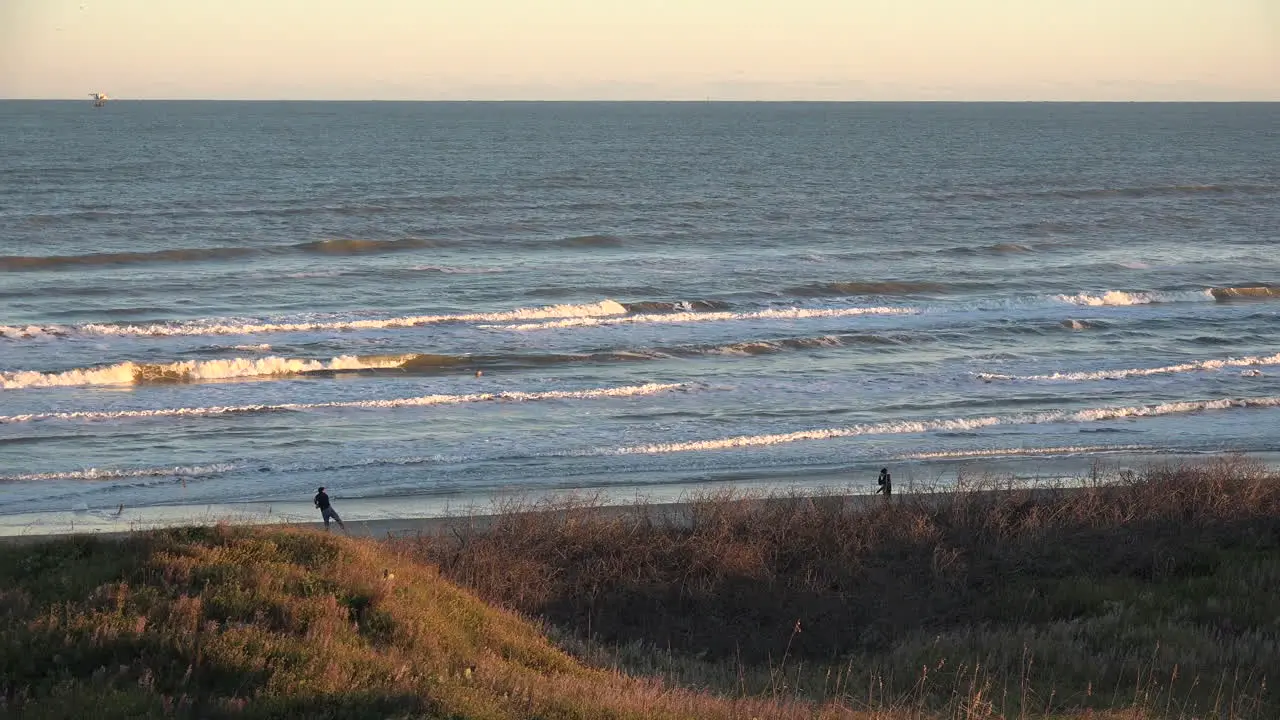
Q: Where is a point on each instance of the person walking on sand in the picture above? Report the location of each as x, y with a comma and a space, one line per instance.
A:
326, 510
886, 484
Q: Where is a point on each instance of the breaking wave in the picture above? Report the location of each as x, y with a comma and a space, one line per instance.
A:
131, 373
867, 288
684, 317
1249, 361
602, 308
30, 332
419, 401
1018, 452
942, 425
191, 371
1119, 297
110, 474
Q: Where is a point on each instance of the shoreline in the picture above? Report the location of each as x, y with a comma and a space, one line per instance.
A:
909, 477
678, 513
381, 517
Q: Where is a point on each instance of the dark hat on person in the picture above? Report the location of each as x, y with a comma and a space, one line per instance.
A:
320, 489
881, 470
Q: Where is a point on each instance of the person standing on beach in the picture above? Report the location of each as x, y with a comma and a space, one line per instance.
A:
886, 484
326, 510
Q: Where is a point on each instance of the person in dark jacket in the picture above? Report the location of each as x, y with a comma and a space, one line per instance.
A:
326, 510
886, 483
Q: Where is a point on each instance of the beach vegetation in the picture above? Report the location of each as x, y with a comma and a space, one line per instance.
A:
1147, 596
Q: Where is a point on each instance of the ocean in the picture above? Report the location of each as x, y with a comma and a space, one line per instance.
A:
212, 308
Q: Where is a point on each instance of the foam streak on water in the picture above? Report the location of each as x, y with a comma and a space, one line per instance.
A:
1026, 451
948, 425
604, 307
690, 317
420, 401
1199, 365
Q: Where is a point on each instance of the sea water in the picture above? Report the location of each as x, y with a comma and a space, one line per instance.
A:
220, 305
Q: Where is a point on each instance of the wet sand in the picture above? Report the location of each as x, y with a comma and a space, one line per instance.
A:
677, 513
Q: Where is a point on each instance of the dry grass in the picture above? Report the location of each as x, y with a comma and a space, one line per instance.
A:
1157, 589
243, 622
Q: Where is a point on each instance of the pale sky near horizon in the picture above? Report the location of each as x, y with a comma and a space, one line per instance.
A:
643, 50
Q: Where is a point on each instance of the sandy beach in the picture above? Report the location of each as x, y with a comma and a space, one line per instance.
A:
477, 517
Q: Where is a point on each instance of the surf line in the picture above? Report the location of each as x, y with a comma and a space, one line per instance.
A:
924, 426
1029, 452
683, 317
419, 401
1197, 365
604, 307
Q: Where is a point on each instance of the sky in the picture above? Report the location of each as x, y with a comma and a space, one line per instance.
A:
643, 49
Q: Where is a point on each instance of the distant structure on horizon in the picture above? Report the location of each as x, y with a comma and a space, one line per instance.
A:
99, 98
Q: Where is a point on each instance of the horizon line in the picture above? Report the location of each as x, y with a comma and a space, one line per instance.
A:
653, 100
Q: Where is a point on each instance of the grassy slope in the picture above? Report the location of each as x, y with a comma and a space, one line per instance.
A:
213, 622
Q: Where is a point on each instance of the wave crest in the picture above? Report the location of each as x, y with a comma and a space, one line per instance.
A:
1022, 452
938, 425
31, 332
602, 308
1122, 298
1199, 365
419, 401
133, 373
685, 317
130, 373
110, 474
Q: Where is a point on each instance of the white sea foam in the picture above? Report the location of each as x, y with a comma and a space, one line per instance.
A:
422, 400
1117, 297
687, 317
1249, 361
14, 332
1004, 452
950, 425
128, 373
116, 474
602, 308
